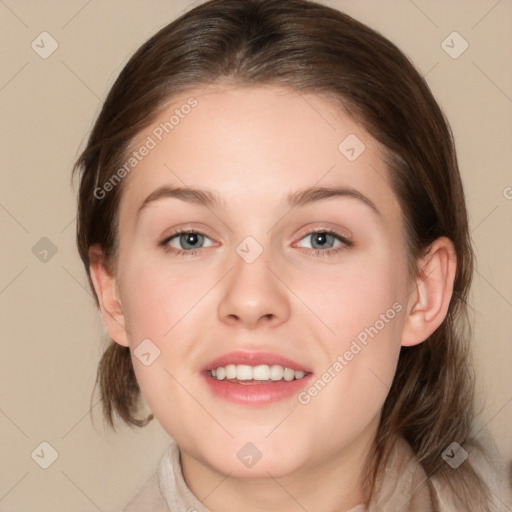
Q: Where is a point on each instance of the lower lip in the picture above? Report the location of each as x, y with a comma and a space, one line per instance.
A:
256, 394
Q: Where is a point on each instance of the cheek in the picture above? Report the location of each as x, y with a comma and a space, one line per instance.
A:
155, 298
347, 396
162, 309
167, 395
364, 309
358, 298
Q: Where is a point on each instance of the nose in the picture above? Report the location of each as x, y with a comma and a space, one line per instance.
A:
253, 295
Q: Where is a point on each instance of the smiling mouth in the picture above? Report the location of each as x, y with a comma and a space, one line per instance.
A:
256, 385
260, 374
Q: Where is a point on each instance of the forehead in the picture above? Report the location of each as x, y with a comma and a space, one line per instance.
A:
258, 143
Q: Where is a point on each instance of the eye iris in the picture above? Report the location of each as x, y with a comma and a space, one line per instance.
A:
321, 239
188, 240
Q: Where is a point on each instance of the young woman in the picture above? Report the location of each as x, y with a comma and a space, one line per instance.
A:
273, 222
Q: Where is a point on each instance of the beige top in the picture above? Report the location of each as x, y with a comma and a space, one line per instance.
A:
403, 486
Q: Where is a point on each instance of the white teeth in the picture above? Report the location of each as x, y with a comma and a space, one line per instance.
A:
289, 374
231, 371
262, 372
276, 372
243, 372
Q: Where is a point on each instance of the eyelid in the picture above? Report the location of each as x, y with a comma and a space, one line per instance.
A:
327, 227
188, 228
345, 241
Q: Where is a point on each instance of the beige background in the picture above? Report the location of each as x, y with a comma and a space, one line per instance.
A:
51, 332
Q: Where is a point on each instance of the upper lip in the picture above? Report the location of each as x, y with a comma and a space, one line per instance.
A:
254, 358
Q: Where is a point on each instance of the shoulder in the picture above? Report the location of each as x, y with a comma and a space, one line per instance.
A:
484, 458
166, 490
487, 462
149, 498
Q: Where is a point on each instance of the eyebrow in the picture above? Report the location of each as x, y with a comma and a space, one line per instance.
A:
314, 194
190, 195
299, 198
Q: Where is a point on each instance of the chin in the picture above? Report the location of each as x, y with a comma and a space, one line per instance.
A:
254, 460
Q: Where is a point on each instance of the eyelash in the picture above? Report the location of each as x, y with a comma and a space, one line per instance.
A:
316, 252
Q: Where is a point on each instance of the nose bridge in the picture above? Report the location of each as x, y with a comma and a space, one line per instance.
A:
251, 265
252, 291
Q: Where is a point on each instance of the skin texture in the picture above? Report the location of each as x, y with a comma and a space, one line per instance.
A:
254, 146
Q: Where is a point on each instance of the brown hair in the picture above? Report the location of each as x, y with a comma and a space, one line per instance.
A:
313, 48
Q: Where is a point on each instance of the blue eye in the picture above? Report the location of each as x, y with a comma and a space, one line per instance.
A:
322, 242
321, 239
187, 242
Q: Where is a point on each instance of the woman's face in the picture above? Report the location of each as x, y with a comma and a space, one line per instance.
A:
273, 275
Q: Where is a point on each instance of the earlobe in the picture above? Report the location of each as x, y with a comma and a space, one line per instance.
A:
428, 302
104, 282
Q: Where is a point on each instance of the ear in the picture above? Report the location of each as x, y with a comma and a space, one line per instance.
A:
428, 302
105, 285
